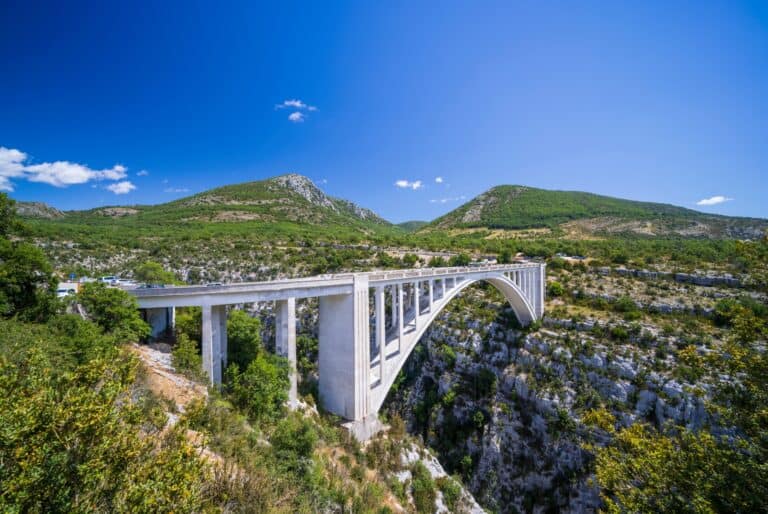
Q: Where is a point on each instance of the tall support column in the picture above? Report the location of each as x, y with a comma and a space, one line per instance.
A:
344, 352
542, 288
522, 283
381, 334
442, 287
527, 284
416, 304
399, 317
431, 294
393, 305
212, 336
223, 345
285, 342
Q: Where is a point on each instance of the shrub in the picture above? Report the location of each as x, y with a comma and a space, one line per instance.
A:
114, 310
27, 284
451, 492
186, 358
262, 388
153, 273
423, 489
243, 338
294, 440
555, 289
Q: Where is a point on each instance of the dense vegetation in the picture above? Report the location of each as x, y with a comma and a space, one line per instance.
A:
519, 207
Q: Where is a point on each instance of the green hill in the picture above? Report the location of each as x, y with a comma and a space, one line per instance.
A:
520, 207
287, 206
412, 226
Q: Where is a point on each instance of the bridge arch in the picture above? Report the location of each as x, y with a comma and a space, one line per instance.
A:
513, 294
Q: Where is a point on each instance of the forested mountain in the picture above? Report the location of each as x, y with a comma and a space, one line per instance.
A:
521, 207
283, 206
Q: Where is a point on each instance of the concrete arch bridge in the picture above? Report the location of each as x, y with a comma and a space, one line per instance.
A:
368, 325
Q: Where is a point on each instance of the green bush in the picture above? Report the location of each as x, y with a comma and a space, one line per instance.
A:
27, 284
114, 310
262, 388
153, 273
423, 489
186, 358
294, 440
243, 338
451, 492
72, 434
555, 289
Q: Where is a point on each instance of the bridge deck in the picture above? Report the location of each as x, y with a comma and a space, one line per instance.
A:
321, 285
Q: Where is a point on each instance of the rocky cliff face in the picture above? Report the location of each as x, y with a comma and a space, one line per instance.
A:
304, 187
37, 210
503, 407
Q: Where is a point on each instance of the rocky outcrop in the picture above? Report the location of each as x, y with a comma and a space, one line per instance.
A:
706, 280
37, 210
305, 188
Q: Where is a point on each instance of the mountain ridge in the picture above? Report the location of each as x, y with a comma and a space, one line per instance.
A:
515, 207
293, 200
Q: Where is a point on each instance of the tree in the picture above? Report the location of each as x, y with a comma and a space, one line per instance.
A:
410, 260
461, 259
74, 437
262, 389
186, 358
153, 273
644, 471
555, 288
243, 338
114, 310
437, 262
27, 284
505, 256
189, 321
8, 219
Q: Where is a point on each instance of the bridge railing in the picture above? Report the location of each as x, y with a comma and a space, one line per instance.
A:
432, 272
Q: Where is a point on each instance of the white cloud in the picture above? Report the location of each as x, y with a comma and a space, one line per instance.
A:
449, 199
121, 188
296, 117
714, 200
176, 190
406, 184
438, 180
295, 104
142, 173
13, 164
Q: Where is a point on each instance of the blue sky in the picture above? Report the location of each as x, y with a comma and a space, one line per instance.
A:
123, 103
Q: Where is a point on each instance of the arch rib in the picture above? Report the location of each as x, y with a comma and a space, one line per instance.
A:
515, 296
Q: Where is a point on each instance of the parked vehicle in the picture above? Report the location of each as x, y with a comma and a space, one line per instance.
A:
64, 292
